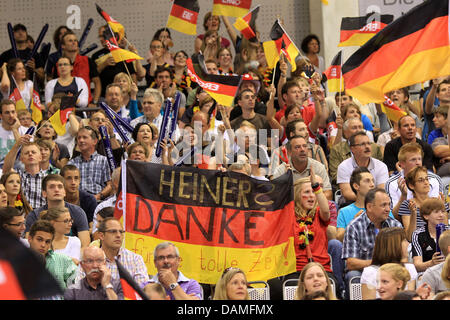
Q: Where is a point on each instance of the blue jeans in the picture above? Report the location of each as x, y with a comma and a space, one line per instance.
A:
348, 276
335, 251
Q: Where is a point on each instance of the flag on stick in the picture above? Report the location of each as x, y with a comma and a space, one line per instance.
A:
357, 31
231, 8
412, 49
183, 16
113, 24
246, 24
334, 76
392, 111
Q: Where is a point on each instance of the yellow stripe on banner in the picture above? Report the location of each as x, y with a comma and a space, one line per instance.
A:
357, 39
181, 25
240, 24
417, 68
293, 53
222, 99
271, 53
333, 85
206, 264
228, 11
20, 105
122, 55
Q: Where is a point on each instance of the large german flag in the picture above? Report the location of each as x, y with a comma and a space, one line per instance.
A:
183, 16
334, 74
246, 24
115, 25
231, 8
221, 88
356, 31
281, 43
412, 49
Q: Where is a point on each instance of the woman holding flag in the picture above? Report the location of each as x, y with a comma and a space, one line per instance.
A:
16, 71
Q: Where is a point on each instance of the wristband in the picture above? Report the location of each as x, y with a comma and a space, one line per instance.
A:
318, 190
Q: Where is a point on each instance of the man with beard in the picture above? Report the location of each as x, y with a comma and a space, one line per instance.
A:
97, 284
177, 285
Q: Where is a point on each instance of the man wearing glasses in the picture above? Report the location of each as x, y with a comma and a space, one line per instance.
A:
97, 284
177, 285
13, 220
111, 235
361, 149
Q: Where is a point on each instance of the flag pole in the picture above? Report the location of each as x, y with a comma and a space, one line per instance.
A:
340, 85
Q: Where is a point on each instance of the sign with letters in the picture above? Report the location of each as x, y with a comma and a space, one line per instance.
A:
394, 7
216, 219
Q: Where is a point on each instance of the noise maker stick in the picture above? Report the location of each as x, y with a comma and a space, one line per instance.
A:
163, 129
85, 33
84, 52
38, 42
173, 122
12, 40
108, 150
30, 131
440, 228
116, 125
118, 118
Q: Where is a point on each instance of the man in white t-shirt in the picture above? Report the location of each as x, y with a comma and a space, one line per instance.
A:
361, 149
10, 129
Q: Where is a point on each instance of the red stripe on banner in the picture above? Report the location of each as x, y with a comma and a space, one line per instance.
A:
184, 14
208, 226
244, 4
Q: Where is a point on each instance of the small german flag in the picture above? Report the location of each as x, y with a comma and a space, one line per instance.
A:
114, 24
334, 75
18, 101
280, 43
60, 117
131, 290
120, 54
183, 16
392, 111
246, 24
231, 8
357, 31
221, 88
412, 49
36, 108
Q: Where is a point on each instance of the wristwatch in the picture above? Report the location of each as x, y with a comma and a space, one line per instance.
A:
109, 286
172, 286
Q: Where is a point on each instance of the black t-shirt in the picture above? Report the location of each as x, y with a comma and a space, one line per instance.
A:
392, 148
24, 55
108, 74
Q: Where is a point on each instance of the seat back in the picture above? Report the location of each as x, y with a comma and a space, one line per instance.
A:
355, 288
260, 290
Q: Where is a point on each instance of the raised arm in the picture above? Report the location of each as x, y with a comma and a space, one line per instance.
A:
231, 32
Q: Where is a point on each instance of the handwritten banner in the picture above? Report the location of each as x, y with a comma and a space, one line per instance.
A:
216, 219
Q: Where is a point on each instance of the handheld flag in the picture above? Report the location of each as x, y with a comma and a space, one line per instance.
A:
17, 98
392, 111
22, 273
183, 16
281, 42
335, 81
113, 24
221, 88
36, 108
357, 31
246, 24
231, 8
131, 290
120, 54
60, 117
412, 49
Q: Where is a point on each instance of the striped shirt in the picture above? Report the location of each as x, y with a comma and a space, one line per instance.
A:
404, 211
95, 172
391, 187
360, 235
32, 187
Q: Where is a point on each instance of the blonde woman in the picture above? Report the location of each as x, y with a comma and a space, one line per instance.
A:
313, 278
232, 285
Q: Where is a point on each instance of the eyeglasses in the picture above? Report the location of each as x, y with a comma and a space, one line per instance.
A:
99, 119
65, 221
422, 180
156, 47
114, 231
16, 224
91, 261
63, 64
362, 144
162, 258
